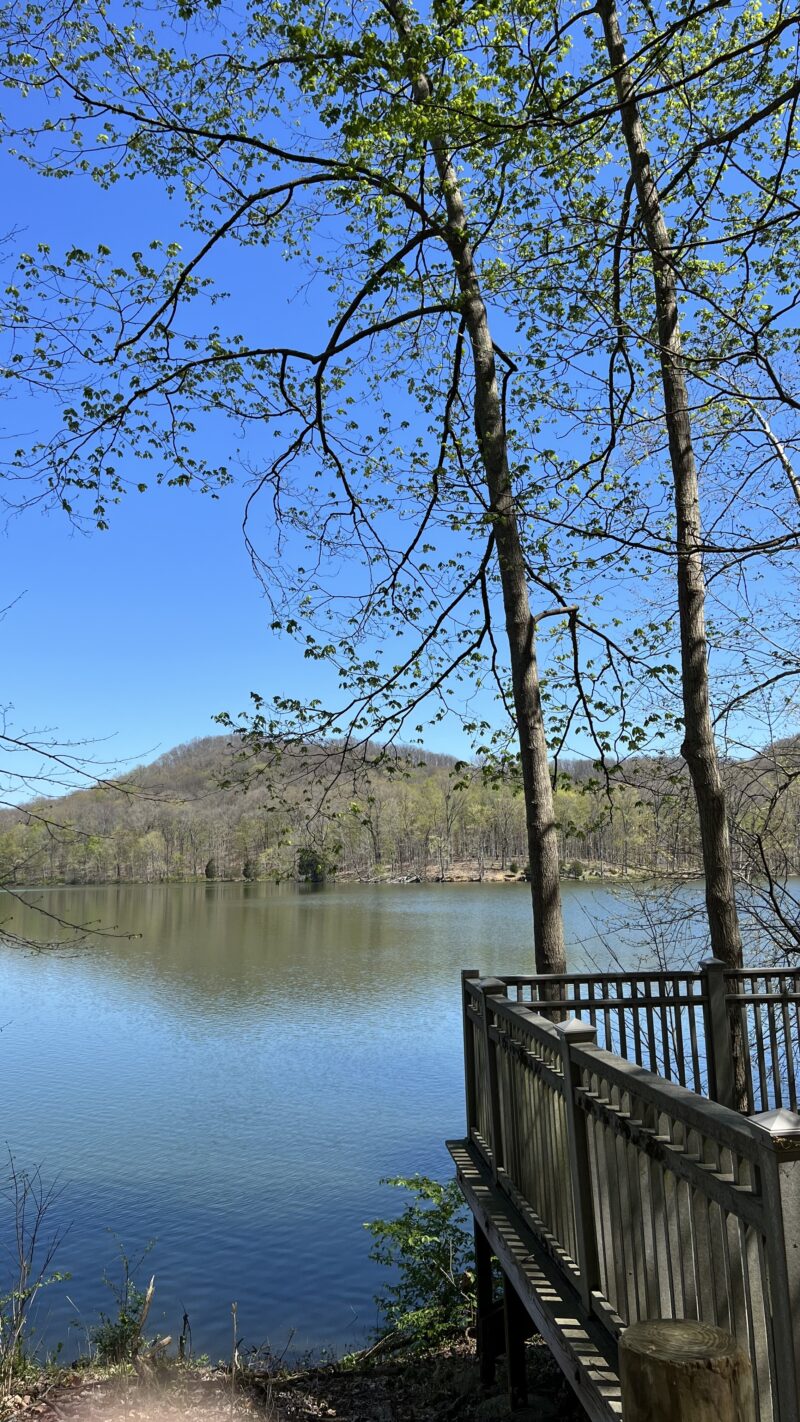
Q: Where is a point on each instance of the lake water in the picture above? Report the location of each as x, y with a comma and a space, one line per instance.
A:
235, 1081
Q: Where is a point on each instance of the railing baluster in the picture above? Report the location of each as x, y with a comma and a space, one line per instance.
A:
763, 1084
773, 1043
697, 1084
622, 1046
489, 988
608, 1042
637, 1030
470, 1079
638, 1245
651, 1038
571, 1033
788, 1045
666, 1044
679, 1052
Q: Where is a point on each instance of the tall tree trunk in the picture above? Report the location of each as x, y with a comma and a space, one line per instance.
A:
548, 927
699, 747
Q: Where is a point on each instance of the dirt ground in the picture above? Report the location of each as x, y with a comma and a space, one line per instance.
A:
442, 1388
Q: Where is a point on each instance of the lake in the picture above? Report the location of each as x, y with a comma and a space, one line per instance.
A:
234, 1082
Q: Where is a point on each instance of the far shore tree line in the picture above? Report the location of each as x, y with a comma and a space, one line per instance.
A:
433, 817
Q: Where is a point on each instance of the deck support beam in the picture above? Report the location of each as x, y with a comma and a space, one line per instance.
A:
518, 1328
503, 1326
490, 1315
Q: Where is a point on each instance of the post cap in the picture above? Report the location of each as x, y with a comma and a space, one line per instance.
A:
492, 985
713, 962
683, 1341
782, 1125
576, 1030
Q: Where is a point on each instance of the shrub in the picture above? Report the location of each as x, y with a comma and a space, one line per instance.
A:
28, 1203
118, 1337
430, 1251
314, 865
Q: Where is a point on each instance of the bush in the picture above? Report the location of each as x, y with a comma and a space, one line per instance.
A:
575, 869
118, 1337
28, 1202
430, 1251
314, 865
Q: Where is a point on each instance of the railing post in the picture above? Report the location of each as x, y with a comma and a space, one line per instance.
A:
470, 1086
679, 1370
572, 1033
489, 988
780, 1186
719, 1046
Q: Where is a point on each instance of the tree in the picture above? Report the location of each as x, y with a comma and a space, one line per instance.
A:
720, 98
699, 747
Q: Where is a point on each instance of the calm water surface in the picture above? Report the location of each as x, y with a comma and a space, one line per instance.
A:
235, 1081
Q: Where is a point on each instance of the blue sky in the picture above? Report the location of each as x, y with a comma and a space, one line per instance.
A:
136, 637
142, 633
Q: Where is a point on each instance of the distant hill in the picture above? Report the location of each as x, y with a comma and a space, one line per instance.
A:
200, 810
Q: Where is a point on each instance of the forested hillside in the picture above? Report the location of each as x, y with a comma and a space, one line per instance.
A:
201, 811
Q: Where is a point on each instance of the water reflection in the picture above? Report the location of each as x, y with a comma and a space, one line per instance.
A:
235, 1079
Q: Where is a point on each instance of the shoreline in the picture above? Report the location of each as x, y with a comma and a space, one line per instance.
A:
456, 874
428, 1385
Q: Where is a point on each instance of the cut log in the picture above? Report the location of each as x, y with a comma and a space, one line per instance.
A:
677, 1370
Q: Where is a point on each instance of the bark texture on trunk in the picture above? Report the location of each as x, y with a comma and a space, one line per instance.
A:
548, 928
699, 747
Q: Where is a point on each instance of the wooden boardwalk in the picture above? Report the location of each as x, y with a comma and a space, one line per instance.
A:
612, 1193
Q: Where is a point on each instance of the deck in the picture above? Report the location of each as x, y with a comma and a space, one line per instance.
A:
612, 1187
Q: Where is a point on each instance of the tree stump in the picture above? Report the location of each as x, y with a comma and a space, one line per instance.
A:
677, 1370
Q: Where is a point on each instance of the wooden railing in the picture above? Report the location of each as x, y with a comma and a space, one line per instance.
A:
768, 1007
650, 1199
655, 1019
678, 1024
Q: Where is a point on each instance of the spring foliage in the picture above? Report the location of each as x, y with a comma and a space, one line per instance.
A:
429, 1250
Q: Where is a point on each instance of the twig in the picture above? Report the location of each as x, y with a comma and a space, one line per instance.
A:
234, 1355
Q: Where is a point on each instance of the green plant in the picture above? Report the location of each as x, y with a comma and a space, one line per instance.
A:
429, 1249
314, 865
119, 1337
29, 1256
